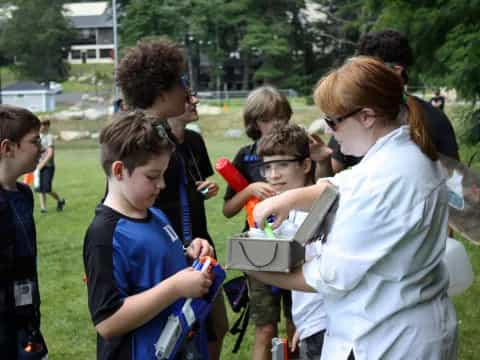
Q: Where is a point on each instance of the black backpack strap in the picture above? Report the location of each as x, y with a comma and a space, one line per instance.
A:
240, 327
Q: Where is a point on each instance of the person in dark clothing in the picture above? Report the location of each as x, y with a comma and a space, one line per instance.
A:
394, 49
183, 201
438, 100
20, 150
149, 76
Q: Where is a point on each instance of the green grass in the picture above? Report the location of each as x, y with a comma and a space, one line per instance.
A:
8, 75
65, 318
105, 71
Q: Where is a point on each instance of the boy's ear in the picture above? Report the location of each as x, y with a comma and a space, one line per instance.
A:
118, 169
307, 165
6, 147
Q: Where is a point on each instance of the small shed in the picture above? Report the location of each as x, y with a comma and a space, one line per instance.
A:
29, 95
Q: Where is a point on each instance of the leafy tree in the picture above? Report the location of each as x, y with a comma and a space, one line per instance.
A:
149, 18
445, 39
38, 37
343, 23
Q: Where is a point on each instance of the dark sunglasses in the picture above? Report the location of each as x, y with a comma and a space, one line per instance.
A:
333, 122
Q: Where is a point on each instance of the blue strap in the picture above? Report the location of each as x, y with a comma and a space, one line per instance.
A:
186, 223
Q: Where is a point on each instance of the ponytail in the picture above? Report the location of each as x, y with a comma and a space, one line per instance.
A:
418, 130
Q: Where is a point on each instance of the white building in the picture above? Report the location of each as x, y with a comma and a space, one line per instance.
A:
29, 95
93, 21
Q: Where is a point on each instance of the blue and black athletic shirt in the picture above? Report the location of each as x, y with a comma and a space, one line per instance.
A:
123, 257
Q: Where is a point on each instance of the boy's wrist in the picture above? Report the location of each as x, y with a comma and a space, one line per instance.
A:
172, 287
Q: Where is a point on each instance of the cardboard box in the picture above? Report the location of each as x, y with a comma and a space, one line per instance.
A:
280, 255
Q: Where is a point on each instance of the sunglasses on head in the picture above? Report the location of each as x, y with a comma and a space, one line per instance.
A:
332, 122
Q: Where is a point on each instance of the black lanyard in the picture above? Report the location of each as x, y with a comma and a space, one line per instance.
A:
22, 226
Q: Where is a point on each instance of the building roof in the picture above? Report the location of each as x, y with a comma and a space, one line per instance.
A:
25, 86
87, 22
89, 14
93, 8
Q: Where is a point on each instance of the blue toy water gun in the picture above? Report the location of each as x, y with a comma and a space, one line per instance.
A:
180, 323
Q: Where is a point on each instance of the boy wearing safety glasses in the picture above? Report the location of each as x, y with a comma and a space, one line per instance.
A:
287, 165
265, 108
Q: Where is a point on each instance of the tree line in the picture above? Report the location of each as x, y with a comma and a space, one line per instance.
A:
246, 42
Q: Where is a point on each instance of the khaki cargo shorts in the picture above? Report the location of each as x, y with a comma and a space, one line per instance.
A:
265, 304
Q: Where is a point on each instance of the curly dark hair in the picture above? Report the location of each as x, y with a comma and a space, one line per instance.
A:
389, 45
148, 69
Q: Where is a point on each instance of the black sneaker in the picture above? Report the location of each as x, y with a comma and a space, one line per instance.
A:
60, 205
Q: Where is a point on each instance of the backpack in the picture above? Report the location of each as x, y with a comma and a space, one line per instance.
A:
236, 291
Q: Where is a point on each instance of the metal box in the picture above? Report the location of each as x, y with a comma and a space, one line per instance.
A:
280, 255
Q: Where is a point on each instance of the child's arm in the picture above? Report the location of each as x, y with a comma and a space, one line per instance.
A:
280, 205
261, 190
140, 308
46, 158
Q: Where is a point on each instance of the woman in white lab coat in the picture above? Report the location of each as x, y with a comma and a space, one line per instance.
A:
380, 269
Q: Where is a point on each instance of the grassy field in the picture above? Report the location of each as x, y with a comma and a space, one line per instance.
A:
65, 322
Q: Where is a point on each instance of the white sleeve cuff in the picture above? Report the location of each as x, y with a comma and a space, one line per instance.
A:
321, 276
311, 272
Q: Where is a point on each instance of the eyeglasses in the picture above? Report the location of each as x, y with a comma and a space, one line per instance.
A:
333, 122
188, 90
279, 166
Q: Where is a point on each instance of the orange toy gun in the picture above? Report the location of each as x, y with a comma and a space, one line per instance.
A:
237, 182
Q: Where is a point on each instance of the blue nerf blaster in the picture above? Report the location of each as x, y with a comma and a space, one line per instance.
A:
180, 323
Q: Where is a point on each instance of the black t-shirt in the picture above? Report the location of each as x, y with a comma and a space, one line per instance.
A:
18, 261
198, 168
440, 100
438, 126
98, 239
247, 163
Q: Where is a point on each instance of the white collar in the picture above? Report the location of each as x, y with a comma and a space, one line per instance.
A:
399, 134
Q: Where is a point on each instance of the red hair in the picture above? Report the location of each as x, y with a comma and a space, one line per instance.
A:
365, 82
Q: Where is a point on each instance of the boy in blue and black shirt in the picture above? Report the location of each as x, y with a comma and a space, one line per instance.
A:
134, 261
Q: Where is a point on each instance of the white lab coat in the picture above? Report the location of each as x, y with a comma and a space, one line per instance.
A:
380, 270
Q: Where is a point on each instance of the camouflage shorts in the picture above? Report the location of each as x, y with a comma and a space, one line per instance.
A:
265, 303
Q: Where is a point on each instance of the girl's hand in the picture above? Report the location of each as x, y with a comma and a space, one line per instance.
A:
261, 190
272, 206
